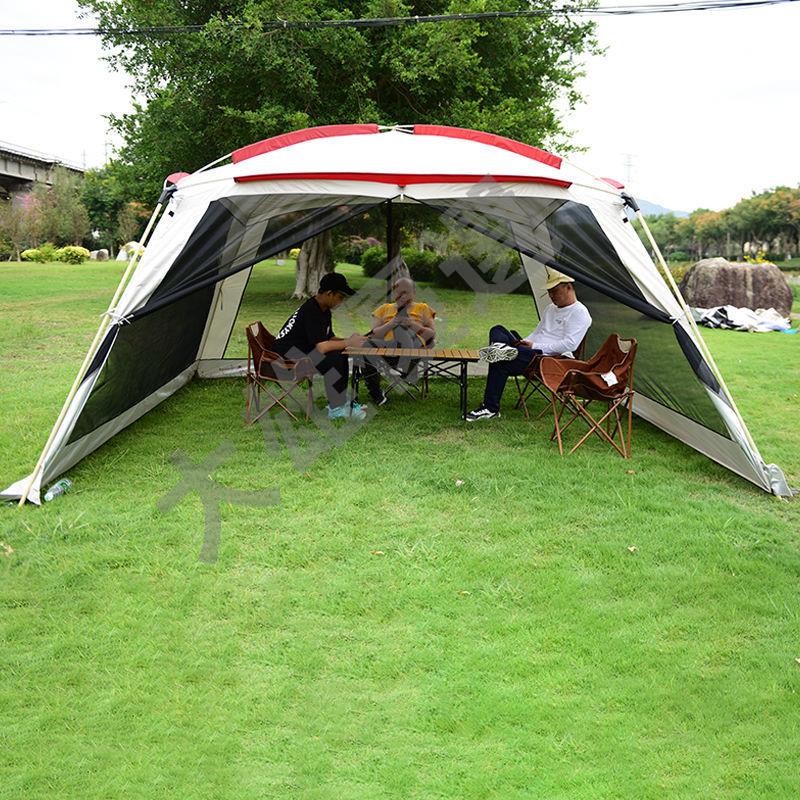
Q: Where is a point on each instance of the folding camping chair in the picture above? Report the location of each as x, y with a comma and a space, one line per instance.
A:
607, 377
275, 376
533, 381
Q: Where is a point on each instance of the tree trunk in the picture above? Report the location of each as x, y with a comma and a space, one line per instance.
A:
315, 259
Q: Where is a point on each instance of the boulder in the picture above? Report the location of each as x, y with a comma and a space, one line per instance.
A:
718, 282
98, 255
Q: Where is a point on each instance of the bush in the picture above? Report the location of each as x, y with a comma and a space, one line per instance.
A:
351, 249
679, 271
678, 255
72, 254
373, 260
294, 252
49, 252
34, 254
486, 265
422, 264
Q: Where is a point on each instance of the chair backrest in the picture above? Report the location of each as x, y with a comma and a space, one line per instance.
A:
259, 341
585, 379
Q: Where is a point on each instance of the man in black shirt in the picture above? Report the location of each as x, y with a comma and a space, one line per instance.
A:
309, 332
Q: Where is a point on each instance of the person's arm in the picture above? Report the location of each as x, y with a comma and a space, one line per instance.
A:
337, 344
381, 328
573, 335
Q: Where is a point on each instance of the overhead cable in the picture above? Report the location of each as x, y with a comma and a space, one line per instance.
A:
386, 22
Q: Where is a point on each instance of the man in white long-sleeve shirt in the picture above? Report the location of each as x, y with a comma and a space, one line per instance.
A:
561, 329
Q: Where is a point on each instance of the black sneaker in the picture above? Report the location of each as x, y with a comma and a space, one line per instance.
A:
481, 413
380, 399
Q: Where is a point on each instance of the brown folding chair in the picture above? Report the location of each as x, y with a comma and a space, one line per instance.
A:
606, 378
533, 380
274, 376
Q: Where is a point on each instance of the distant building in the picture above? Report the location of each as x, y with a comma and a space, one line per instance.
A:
21, 169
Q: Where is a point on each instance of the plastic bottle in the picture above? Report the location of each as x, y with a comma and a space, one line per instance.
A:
57, 489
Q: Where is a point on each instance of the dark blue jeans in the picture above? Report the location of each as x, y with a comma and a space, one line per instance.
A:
501, 371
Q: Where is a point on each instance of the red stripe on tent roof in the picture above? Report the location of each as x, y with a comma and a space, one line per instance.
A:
295, 137
612, 182
177, 176
400, 179
491, 139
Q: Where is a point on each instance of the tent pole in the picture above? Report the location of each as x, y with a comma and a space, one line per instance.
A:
98, 338
690, 319
389, 249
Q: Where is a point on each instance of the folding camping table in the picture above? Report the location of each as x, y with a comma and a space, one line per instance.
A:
448, 363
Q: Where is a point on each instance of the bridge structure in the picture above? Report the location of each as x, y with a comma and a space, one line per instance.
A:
21, 169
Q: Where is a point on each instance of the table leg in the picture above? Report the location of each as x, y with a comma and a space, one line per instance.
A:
463, 382
354, 380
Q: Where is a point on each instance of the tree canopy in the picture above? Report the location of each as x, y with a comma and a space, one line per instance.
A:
765, 219
205, 94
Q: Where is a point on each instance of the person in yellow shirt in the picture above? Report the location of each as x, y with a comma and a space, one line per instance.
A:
403, 323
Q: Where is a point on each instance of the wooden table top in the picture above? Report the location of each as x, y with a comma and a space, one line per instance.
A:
430, 354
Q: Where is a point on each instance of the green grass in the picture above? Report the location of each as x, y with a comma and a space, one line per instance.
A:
581, 627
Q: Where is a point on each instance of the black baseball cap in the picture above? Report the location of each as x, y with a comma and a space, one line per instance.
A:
335, 282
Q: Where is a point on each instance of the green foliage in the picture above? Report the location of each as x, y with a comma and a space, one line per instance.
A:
104, 195
476, 263
72, 254
33, 254
350, 249
764, 217
513, 77
373, 260
422, 264
46, 253
678, 255
63, 216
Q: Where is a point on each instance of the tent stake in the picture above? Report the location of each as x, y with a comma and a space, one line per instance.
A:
690, 319
98, 338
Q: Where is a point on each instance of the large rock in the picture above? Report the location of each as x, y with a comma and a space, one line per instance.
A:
98, 255
718, 282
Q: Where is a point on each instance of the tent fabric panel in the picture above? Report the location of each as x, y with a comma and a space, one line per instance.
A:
147, 354
718, 448
210, 257
77, 449
224, 310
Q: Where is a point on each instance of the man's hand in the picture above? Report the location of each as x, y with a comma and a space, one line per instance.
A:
525, 343
355, 340
412, 325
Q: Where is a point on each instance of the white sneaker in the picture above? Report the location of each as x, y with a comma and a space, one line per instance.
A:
481, 413
498, 352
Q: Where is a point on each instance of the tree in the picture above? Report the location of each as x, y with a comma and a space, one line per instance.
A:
235, 82
104, 197
131, 221
64, 219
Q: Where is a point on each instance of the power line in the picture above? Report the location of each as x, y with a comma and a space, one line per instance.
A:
386, 22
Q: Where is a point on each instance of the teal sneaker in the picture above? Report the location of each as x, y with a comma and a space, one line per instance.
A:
356, 411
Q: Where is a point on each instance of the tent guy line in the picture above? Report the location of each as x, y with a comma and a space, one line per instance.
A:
386, 22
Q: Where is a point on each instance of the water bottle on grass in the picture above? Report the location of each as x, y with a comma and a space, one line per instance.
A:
57, 489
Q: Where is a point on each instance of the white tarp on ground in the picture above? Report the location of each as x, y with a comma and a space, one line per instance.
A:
760, 320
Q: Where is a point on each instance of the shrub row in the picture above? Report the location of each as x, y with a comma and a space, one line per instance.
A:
473, 271
71, 254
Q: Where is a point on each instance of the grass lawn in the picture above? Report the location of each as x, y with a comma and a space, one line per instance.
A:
581, 627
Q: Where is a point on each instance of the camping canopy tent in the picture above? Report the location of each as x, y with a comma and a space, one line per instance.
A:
173, 314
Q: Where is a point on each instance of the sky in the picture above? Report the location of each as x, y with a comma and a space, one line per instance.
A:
689, 110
